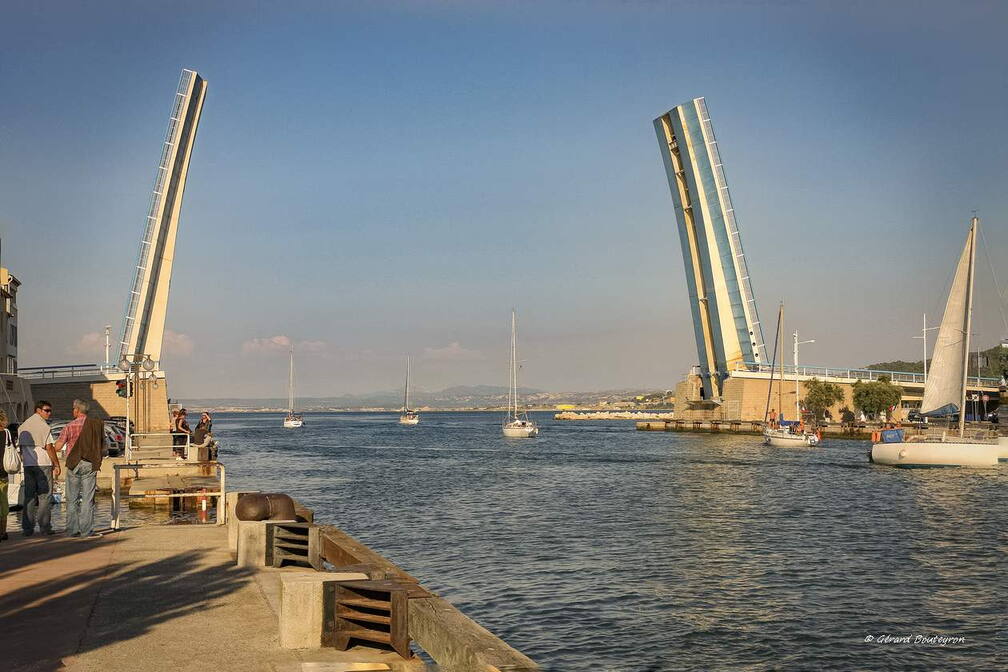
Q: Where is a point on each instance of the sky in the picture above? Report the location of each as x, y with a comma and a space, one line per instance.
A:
379, 179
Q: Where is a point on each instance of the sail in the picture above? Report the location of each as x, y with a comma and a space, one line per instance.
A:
943, 389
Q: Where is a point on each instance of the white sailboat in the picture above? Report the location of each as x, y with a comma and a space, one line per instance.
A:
795, 435
945, 389
408, 417
293, 420
517, 424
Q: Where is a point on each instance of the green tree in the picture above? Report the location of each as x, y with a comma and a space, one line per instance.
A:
820, 395
875, 397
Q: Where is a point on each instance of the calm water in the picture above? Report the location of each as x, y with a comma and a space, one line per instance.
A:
599, 547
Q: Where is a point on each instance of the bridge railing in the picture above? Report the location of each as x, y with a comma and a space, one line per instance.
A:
866, 375
64, 371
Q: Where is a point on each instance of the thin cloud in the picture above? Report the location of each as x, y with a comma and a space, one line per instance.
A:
91, 343
175, 343
258, 346
311, 346
281, 343
452, 352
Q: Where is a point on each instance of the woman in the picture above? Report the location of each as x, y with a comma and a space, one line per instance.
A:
180, 430
4, 510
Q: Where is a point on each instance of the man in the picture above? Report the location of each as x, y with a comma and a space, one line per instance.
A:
41, 469
84, 439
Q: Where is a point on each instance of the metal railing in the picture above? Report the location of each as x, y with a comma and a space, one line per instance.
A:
852, 374
947, 435
131, 444
64, 371
135, 467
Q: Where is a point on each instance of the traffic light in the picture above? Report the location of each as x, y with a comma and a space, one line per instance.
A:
123, 388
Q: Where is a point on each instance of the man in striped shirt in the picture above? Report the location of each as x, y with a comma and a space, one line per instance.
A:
84, 439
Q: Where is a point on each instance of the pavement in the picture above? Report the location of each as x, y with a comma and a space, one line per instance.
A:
165, 597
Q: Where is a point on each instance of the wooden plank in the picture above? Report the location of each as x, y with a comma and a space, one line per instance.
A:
339, 548
457, 642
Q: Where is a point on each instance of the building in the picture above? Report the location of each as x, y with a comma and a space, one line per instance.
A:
725, 320
16, 397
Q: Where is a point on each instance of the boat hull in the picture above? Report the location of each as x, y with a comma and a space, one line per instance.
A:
936, 454
520, 431
293, 424
409, 420
787, 440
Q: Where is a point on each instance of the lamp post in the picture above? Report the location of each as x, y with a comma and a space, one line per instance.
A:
797, 407
132, 370
923, 336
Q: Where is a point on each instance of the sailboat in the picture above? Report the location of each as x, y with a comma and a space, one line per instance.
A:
408, 417
517, 424
293, 420
945, 389
793, 435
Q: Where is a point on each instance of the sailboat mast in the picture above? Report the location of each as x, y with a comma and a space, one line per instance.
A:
780, 339
797, 408
975, 223
290, 383
514, 363
406, 392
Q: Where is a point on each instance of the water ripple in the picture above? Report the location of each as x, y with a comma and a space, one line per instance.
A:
598, 547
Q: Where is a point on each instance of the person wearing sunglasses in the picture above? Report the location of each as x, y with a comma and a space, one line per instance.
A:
41, 469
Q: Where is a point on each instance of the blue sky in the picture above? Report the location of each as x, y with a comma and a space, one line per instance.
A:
377, 179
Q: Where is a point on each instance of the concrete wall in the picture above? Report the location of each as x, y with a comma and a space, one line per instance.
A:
16, 398
149, 409
746, 398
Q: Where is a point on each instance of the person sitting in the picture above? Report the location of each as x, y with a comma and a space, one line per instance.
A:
202, 439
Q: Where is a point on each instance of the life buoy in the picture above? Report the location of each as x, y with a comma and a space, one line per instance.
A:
876, 437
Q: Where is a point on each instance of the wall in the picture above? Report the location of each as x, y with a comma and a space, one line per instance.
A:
101, 395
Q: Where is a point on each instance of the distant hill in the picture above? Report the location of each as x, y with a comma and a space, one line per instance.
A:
993, 364
458, 396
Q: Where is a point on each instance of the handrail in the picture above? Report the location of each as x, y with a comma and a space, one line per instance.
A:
64, 371
131, 444
137, 466
853, 374
451, 638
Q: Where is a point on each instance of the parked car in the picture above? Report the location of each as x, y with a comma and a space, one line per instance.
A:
117, 434
115, 442
915, 416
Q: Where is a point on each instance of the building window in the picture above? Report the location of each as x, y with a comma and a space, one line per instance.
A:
13, 335
11, 364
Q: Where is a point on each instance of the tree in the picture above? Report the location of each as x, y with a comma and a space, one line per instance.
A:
877, 396
820, 395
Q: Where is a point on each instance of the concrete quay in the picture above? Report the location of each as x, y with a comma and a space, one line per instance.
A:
277, 596
151, 598
753, 428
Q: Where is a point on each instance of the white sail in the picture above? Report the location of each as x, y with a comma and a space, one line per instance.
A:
945, 385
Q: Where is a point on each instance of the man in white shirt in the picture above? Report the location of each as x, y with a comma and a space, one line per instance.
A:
41, 468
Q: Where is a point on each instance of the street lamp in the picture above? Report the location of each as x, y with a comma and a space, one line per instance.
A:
132, 370
797, 407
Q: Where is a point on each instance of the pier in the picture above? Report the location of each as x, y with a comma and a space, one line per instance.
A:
236, 596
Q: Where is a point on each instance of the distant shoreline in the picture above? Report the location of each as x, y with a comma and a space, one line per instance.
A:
427, 410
